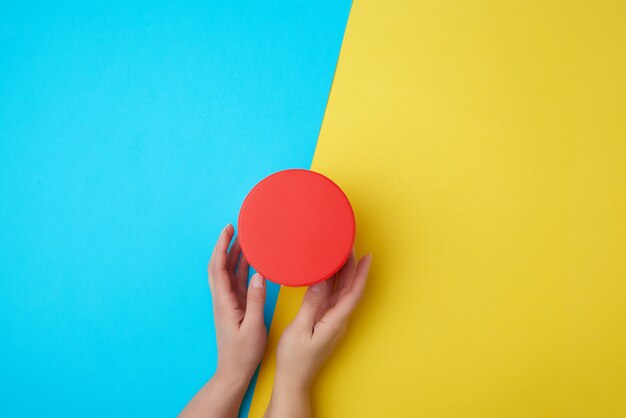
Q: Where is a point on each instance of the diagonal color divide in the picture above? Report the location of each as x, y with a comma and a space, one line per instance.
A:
482, 146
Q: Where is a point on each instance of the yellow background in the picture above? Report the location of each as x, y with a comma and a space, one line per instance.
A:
483, 146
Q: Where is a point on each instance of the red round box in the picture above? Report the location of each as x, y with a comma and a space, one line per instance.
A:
296, 227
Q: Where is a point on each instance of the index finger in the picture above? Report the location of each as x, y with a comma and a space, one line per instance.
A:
339, 314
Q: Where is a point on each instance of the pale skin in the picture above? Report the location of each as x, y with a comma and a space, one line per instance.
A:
241, 334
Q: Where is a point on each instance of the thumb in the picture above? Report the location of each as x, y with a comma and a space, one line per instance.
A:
255, 301
311, 304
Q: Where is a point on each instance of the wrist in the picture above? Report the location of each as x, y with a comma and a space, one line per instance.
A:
290, 397
291, 382
233, 381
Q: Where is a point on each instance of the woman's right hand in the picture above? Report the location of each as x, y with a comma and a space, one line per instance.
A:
311, 337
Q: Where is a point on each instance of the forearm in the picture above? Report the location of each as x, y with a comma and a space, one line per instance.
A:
289, 401
220, 397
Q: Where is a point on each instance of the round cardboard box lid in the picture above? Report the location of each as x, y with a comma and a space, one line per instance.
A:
296, 227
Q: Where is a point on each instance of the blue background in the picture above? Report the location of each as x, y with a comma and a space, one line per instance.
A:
129, 136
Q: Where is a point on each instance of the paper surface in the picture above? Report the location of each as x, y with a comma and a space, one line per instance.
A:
130, 133
483, 147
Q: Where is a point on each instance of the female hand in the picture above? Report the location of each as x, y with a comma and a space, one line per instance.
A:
240, 330
311, 337
237, 310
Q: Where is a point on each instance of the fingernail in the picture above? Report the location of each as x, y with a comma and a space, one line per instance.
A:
319, 287
257, 281
227, 227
